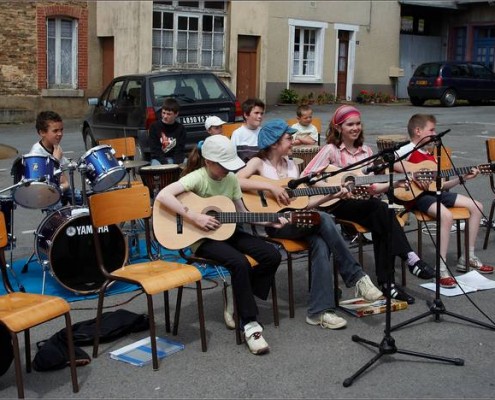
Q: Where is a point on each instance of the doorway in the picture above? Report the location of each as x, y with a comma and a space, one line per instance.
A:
247, 67
342, 63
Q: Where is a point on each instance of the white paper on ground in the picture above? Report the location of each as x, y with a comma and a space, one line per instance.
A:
470, 282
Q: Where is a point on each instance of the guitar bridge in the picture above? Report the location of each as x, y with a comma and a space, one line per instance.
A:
261, 194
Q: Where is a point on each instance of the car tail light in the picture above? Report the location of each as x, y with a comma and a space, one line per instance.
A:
438, 82
238, 109
150, 117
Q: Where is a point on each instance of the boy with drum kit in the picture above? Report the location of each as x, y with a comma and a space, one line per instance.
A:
50, 128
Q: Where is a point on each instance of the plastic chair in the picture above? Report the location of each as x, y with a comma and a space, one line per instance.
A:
490, 153
228, 129
19, 312
152, 276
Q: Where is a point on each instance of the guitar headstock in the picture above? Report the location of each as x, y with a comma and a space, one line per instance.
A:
487, 168
304, 219
424, 175
360, 192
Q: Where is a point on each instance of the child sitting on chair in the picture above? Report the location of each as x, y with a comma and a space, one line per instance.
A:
307, 133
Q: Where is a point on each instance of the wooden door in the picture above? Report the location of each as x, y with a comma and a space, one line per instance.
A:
342, 62
107, 60
247, 68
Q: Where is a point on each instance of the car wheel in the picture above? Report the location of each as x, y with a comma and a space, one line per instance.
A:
448, 98
415, 101
89, 141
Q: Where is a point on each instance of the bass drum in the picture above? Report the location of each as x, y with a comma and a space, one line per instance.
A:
64, 239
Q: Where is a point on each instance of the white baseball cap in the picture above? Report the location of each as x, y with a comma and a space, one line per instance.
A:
220, 149
213, 121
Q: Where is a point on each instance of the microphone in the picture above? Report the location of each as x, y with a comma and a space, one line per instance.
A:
294, 183
397, 146
439, 135
373, 168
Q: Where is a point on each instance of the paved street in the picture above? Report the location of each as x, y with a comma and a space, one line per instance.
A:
305, 361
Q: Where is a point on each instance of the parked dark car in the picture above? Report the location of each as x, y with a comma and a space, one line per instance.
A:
449, 81
131, 103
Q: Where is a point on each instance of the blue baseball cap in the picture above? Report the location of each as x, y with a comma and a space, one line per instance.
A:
272, 131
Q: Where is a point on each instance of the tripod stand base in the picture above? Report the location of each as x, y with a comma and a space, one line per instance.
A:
437, 308
387, 346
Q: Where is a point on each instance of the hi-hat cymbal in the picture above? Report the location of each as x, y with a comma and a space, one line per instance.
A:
134, 164
7, 151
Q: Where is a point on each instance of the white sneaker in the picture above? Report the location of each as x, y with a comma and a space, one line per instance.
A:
255, 341
228, 307
328, 319
366, 289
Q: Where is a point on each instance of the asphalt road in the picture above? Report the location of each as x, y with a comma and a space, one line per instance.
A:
305, 361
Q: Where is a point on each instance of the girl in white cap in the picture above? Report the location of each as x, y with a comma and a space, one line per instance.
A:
209, 173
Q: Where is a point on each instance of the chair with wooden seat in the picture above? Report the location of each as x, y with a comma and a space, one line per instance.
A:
152, 276
360, 231
459, 214
490, 153
193, 258
291, 248
19, 312
228, 129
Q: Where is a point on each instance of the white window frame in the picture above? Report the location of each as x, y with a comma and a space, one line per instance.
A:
57, 84
198, 13
320, 28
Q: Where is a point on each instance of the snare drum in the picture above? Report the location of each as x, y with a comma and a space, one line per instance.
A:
387, 141
103, 170
65, 239
306, 152
156, 177
41, 188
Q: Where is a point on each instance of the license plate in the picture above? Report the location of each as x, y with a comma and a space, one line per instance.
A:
421, 83
193, 120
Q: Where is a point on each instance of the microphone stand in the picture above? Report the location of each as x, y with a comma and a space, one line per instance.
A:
387, 345
437, 307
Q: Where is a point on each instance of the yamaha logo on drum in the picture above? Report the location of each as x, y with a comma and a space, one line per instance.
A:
84, 230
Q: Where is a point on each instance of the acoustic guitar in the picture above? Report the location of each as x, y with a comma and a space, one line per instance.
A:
426, 171
173, 232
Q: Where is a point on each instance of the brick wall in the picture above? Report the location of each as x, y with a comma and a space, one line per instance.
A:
23, 53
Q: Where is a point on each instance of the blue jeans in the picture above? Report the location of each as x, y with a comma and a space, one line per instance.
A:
323, 241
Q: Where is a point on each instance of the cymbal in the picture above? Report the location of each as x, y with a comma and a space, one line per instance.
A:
7, 151
134, 164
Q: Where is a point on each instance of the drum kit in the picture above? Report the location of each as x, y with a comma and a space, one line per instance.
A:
63, 241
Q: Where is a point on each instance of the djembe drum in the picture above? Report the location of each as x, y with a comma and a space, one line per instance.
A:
156, 177
387, 141
305, 152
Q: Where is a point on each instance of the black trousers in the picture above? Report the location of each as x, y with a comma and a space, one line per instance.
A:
247, 281
374, 215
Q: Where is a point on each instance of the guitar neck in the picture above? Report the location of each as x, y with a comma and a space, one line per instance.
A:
456, 171
313, 191
248, 217
370, 179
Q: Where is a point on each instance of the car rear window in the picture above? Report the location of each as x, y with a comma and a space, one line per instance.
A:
427, 70
187, 89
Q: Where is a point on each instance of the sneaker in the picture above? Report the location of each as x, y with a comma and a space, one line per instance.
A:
398, 293
474, 264
447, 282
228, 307
327, 319
366, 289
254, 339
422, 270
